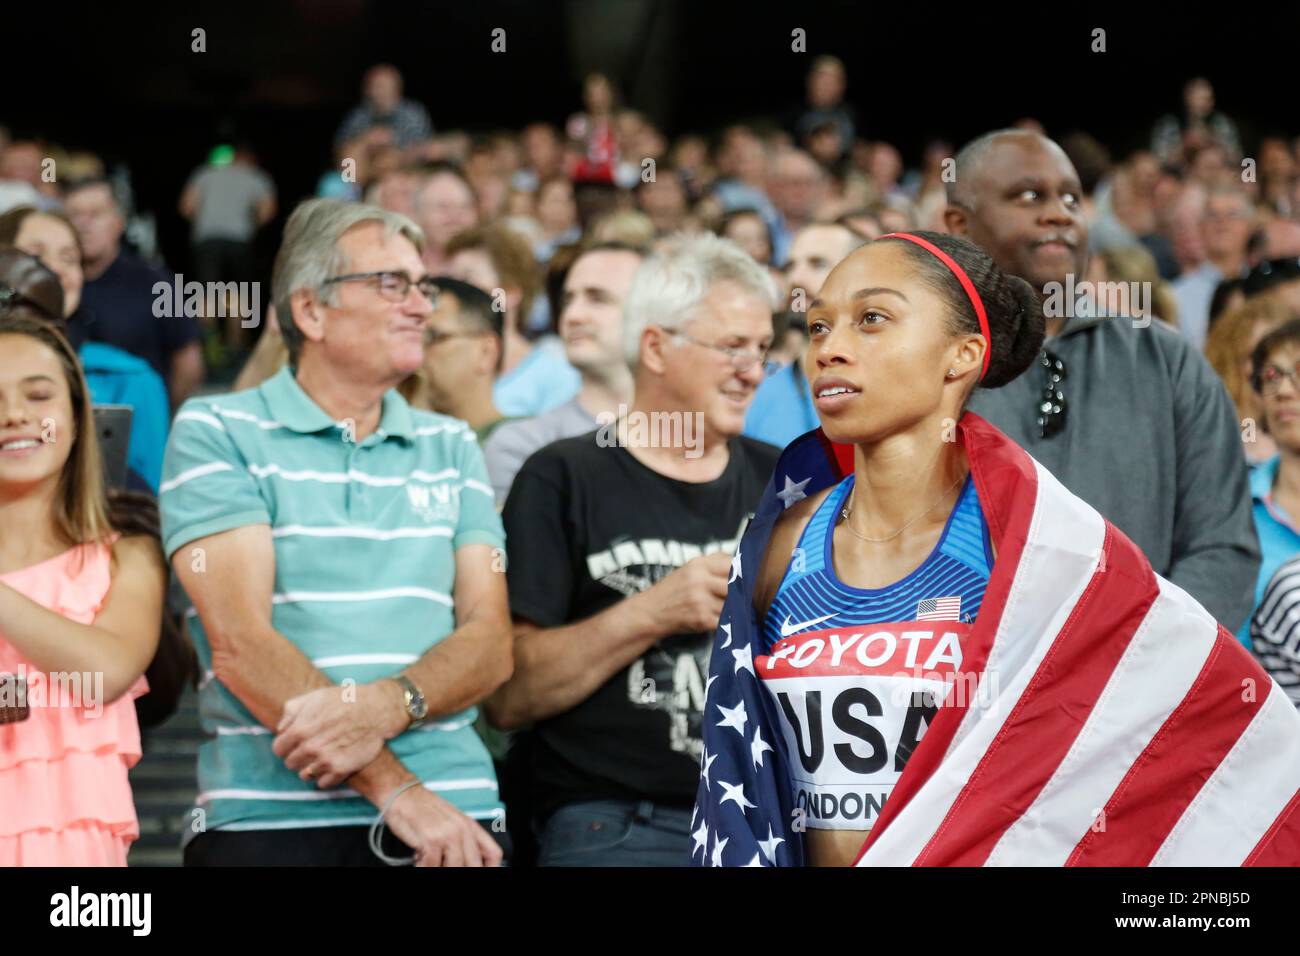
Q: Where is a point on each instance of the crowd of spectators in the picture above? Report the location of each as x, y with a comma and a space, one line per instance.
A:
450, 321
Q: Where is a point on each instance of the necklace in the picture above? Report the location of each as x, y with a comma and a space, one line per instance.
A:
848, 510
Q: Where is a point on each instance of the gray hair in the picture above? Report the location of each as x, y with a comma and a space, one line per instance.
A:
309, 254
669, 286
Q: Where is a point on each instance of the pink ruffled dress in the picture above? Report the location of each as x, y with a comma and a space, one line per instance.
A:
64, 795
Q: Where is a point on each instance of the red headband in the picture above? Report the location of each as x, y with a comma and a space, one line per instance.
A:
966, 284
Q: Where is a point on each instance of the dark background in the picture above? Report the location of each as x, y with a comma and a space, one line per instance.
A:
121, 79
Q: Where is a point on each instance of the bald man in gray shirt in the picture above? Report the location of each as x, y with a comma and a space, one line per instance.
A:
1142, 428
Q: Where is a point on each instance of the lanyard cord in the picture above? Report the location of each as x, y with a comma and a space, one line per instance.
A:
377, 829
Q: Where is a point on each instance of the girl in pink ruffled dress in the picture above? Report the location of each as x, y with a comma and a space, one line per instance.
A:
80, 608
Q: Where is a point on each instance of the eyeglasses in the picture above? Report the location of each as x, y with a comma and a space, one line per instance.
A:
394, 286
741, 359
1235, 215
1269, 379
1052, 407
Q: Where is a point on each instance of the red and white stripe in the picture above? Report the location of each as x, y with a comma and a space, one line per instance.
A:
1124, 727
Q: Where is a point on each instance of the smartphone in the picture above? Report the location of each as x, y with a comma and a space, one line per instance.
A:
113, 425
13, 699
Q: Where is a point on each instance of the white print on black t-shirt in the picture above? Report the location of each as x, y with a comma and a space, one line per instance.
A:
668, 680
648, 685
630, 567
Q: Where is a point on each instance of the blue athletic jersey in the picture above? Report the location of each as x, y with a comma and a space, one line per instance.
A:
811, 594
858, 674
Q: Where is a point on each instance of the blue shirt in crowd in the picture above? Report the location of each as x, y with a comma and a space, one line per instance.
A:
1278, 538
543, 380
115, 377
783, 408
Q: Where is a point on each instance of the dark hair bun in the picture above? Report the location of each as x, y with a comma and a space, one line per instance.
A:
1021, 329
34, 284
1014, 311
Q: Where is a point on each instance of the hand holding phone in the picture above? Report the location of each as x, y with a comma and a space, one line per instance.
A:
13, 699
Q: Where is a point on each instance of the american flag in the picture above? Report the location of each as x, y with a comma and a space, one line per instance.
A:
939, 609
1124, 726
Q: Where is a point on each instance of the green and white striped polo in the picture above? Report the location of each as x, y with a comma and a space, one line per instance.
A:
365, 536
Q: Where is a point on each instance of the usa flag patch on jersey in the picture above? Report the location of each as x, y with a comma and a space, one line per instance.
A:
939, 609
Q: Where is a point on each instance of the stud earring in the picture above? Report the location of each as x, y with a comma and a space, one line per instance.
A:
952, 373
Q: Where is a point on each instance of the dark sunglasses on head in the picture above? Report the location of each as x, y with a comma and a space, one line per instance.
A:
1269, 273
1052, 407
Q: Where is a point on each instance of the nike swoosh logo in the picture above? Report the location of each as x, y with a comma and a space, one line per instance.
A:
787, 628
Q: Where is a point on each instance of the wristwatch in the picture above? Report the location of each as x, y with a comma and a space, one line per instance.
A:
417, 708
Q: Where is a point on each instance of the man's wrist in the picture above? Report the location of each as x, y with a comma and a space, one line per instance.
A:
378, 779
396, 719
640, 618
395, 795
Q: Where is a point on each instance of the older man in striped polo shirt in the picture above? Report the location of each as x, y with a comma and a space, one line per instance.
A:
342, 552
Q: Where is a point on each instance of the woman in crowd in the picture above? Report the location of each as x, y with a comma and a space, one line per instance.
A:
747, 229
115, 377
79, 615
1275, 482
909, 557
1229, 346
557, 214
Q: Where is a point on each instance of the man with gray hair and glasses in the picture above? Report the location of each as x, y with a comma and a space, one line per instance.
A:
627, 534
343, 554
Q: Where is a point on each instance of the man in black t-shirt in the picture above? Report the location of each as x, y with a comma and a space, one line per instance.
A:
621, 546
